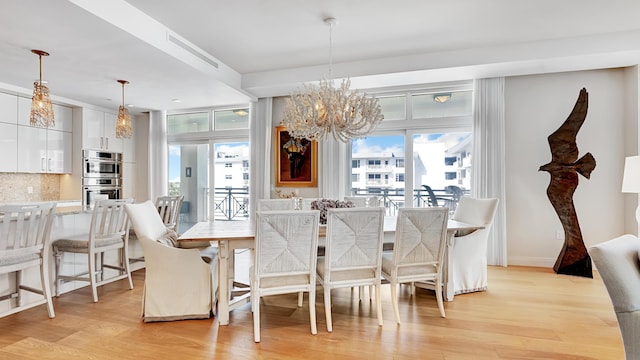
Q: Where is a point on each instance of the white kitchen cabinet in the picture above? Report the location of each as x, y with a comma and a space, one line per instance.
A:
44, 151
99, 131
59, 152
8, 108
63, 115
9, 147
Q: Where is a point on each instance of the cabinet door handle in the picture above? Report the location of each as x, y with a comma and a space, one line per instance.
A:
49, 164
101, 142
42, 164
107, 141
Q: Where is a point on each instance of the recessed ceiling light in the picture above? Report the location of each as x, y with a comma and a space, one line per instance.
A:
176, 100
130, 105
442, 97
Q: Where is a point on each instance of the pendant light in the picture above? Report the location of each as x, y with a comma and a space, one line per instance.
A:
41, 107
123, 124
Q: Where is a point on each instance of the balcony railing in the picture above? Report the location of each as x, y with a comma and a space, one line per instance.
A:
228, 203
233, 203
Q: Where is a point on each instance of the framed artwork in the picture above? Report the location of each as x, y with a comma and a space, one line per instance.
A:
296, 160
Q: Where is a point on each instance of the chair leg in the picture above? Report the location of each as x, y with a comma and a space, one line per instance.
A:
125, 264
300, 298
256, 319
312, 309
360, 293
101, 266
378, 303
394, 300
46, 287
58, 259
327, 308
92, 276
18, 275
439, 296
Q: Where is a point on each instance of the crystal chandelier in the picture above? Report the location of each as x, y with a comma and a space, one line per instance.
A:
321, 110
41, 107
123, 124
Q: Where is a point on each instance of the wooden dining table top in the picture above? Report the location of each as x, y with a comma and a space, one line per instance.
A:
246, 230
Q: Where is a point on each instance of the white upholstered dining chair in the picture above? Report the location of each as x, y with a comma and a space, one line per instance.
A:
618, 263
179, 284
470, 250
108, 231
286, 246
24, 244
353, 253
418, 251
169, 210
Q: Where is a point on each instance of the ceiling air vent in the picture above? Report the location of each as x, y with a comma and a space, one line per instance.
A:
193, 51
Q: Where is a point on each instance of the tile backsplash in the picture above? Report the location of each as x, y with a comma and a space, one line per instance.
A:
18, 187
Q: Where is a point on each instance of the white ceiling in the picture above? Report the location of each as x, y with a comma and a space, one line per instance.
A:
270, 47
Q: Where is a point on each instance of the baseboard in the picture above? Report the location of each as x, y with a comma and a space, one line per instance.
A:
531, 261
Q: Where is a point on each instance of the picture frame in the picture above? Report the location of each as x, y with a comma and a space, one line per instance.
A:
296, 160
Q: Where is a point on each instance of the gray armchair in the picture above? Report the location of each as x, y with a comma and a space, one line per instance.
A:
618, 263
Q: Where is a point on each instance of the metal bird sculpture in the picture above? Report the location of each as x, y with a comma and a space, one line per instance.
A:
564, 169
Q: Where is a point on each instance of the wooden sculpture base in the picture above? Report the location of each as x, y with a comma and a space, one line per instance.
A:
576, 262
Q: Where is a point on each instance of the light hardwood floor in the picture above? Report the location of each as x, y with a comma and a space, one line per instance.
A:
527, 313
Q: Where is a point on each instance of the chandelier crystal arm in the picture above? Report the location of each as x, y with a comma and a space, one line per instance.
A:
321, 110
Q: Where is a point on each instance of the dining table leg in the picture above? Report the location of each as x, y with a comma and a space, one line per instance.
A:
223, 283
448, 280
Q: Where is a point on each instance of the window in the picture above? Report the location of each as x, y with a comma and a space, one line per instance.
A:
459, 104
212, 143
355, 177
438, 135
187, 123
231, 119
373, 178
355, 164
393, 107
450, 160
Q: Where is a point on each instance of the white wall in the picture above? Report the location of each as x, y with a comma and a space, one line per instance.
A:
535, 107
305, 192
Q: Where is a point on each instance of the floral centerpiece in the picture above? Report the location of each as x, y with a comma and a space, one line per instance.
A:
325, 204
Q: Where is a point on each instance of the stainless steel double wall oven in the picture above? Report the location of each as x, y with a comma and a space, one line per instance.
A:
102, 176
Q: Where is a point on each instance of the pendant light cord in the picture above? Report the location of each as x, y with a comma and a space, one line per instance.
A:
40, 57
331, 49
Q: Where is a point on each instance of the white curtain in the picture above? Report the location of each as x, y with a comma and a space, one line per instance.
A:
260, 142
333, 161
158, 167
488, 178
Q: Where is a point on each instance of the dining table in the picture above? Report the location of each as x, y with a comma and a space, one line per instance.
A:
232, 235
